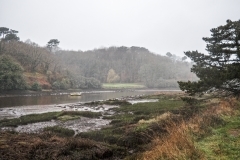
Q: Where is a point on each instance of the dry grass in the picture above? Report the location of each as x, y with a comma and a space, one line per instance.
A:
163, 116
178, 143
49, 146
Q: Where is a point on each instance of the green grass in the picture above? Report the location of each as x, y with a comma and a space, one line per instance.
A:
125, 131
33, 118
224, 141
123, 86
152, 108
64, 132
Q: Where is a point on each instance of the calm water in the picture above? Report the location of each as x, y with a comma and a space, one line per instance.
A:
23, 99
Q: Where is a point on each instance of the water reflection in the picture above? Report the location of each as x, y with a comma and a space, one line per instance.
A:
59, 98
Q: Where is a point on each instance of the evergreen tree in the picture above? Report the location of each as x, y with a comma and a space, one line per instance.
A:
220, 69
8, 35
10, 74
3, 31
53, 44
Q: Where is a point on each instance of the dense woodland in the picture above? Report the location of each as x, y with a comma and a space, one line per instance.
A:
128, 65
51, 68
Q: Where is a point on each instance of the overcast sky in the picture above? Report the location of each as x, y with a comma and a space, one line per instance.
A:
159, 25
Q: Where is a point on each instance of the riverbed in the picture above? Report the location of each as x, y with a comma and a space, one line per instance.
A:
82, 124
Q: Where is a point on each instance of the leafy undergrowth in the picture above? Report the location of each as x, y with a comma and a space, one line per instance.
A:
41, 79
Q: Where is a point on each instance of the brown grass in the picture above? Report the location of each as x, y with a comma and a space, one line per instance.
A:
176, 145
49, 146
179, 142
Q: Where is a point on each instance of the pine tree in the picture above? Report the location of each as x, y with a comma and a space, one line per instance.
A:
219, 70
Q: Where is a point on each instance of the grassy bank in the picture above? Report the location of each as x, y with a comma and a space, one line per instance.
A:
33, 118
212, 133
166, 129
223, 142
123, 86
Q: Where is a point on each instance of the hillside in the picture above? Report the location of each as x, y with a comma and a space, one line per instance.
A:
42, 69
128, 65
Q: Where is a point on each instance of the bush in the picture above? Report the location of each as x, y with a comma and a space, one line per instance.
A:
11, 74
36, 87
93, 83
56, 85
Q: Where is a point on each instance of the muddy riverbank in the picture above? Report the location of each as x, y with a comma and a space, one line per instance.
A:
81, 124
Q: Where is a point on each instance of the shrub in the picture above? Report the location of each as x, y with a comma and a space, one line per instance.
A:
36, 87
10, 74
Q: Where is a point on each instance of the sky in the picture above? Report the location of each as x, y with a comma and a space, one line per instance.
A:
161, 26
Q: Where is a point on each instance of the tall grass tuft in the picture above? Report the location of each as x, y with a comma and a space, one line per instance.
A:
177, 144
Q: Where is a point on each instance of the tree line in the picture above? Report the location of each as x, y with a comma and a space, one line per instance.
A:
65, 69
128, 65
20, 58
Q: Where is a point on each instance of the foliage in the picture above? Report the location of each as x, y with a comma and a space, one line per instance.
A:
65, 83
131, 64
112, 76
219, 70
36, 87
10, 74
3, 31
8, 35
52, 44
93, 83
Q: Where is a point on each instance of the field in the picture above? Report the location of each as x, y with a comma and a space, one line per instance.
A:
123, 86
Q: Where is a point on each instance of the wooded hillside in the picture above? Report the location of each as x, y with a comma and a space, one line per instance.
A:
128, 65
60, 69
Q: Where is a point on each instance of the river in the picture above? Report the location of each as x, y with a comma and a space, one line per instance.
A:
14, 105
46, 98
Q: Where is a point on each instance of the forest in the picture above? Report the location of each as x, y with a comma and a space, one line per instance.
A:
50, 67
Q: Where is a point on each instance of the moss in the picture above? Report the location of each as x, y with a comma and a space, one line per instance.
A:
67, 117
33, 118
60, 131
